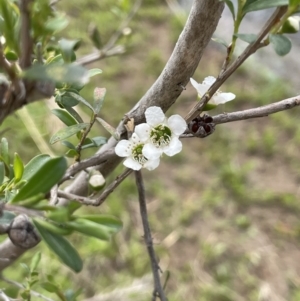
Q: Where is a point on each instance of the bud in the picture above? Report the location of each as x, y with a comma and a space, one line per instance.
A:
97, 181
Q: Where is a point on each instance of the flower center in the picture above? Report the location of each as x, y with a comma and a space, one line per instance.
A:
137, 154
161, 136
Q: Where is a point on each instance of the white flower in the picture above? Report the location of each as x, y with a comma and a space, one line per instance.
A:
133, 150
161, 133
218, 98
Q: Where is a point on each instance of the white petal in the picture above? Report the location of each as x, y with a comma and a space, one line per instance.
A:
152, 164
143, 131
209, 80
220, 98
135, 139
123, 148
151, 152
194, 83
154, 115
177, 124
174, 148
130, 163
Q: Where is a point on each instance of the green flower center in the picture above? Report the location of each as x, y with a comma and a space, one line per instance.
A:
137, 154
161, 136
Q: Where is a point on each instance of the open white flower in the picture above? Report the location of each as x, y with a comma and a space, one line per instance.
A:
218, 98
161, 133
133, 150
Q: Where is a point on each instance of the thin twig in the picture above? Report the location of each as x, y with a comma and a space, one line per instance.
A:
92, 161
119, 179
252, 48
19, 285
262, 111
83, 137
98, 201
110, 49
158, 290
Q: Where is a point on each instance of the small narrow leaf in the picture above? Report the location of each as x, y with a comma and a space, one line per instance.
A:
2, 172
43, 179
57, 24
34, 165
74, 114
109, 128
103, 219
220, 41
68, 132
281, 44
98, 141
72, 153
94, 35
68, 144
64, 116
248, 38
94, 71
90, 228
80, 99
4, 151
252, 5
231, 7
6, 217
35, 261
18, 168
50, 287
61, 247
99, 94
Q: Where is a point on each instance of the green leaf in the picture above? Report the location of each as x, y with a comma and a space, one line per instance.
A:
252, 5
64, 116
56, 24
103, 219
34, 165
58, 73
98, 141
67, 49
94, 35
220, 41
68, 132
99, 94
61, 247
2, 172
6, 217
294, 3
248, 38
68, 144
50, 287
43, 179
281, 44
4, 151
71, 153
94, 71
90, 228
74, 114
35, 261
231, 7
54, 228
80, 99
109, 128
18, 168
67, 100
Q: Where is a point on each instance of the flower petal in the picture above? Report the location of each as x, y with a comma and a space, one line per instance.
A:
209, 80
174, 147
201, 88
177, 124
220, 98
130, 163
154, 115
135, 139
143, 131
151, 152
123, 148
152, 164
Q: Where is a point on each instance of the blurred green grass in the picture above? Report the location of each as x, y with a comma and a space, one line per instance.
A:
223, 212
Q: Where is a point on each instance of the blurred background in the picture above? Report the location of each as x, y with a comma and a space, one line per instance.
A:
225, 211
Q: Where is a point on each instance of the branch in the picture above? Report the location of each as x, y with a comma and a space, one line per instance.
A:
158, 289
262, 111
252, 48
